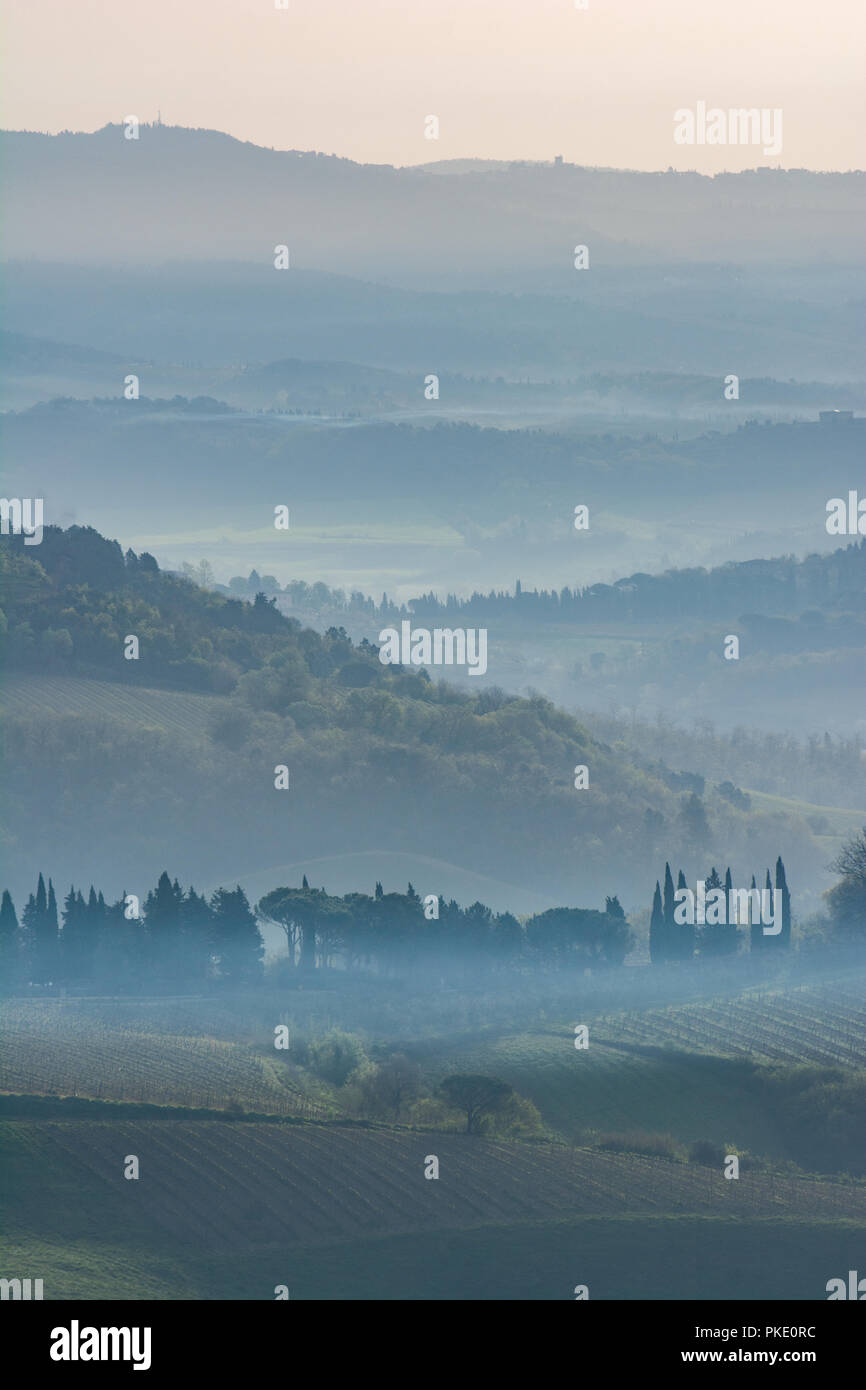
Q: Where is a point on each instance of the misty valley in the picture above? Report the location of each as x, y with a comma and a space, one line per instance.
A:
433, 641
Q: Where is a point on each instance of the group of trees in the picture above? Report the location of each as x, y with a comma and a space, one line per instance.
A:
394, 1088
673, 939
773, 762
394, 931
179, 940
780, 586
70, 603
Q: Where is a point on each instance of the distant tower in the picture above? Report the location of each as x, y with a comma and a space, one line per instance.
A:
159, 117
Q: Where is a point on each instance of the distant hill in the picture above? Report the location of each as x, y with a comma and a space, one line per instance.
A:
205, 195
37, 370
489, 505
19, 353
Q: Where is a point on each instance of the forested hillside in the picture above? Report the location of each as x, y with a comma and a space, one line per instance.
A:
376, 757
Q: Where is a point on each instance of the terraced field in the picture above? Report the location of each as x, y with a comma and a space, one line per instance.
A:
176, 710
219, 1187
46, 1049
823, 1024
231, 1209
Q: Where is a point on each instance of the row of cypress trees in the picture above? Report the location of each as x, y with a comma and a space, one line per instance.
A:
179, 937
672, 941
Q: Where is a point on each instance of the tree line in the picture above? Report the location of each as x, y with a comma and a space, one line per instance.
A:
180, 939
785, 585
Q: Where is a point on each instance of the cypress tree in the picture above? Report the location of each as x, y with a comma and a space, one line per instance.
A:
756, 932
669, 934
51, 935
9, 942
718, 938
162, 914
29, 938
669, 897
783, 940
767, 941
41, 926
658, 954
69, 936
686, 937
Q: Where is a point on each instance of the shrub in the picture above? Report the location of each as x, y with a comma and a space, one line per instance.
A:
336, 1056
707, 1153
432, 1113
637, 1141
518, 1118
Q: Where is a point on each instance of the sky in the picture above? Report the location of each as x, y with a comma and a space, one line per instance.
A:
507, 79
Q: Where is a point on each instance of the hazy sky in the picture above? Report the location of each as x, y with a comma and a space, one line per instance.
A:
507, 78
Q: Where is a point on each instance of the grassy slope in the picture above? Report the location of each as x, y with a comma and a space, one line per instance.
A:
633, 1257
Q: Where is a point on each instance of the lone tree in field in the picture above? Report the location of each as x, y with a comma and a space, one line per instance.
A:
476, 1096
